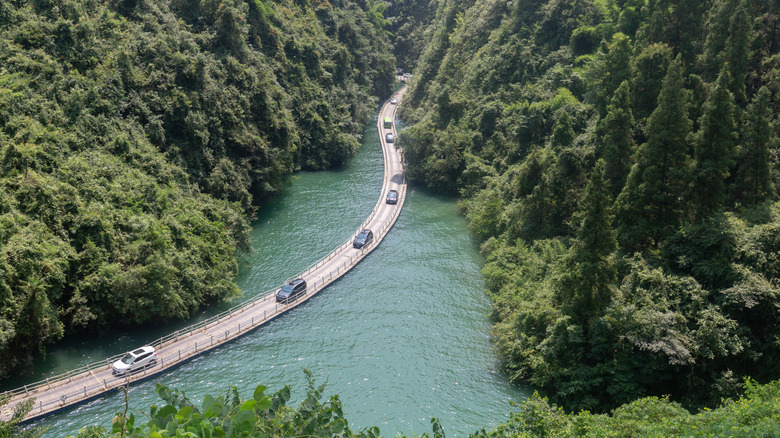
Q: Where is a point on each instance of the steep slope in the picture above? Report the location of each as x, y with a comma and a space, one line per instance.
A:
138, 137
618, 159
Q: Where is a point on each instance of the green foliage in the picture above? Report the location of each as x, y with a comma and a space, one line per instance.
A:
263, 415
651, 205
754, 183
714, 148
12, 428
755, 414
617, 140
514, 103
137, 139
586, 285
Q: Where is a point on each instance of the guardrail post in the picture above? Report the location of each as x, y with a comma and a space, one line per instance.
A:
253, 321
196, 347
179, 354
47, 382
264, 312
26, 392
41, 405
70, 379
212, 339
85, 391
104, 384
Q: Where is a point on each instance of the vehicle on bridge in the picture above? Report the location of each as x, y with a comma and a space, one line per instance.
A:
392, 197
364, 238
291, 291
390, 138
135, 360
393, 101
388, 123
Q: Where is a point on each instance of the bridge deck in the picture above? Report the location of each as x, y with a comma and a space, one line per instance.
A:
95, 380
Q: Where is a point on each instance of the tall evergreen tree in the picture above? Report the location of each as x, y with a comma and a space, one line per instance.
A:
716, 33
737, 53
616, 133
754, 181
652, 202
586, 287
615, 69
714, 148
675, 22
648, 70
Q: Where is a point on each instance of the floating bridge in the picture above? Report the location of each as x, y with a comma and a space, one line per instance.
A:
95, 380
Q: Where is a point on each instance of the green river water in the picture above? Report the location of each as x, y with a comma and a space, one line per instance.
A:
402, 337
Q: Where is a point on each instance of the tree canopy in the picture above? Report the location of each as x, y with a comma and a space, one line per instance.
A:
560, 123
138, 138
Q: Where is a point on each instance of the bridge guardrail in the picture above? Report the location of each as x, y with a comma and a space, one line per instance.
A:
31, 389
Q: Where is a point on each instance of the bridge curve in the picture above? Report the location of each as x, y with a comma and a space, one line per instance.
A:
95, 380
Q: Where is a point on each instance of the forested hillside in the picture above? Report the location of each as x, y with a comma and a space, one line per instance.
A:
408, 21
619, 161
137, 138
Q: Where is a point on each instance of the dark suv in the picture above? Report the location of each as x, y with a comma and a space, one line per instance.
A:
363, 238
392, 197
291, 291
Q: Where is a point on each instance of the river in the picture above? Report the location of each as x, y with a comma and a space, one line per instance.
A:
401, 338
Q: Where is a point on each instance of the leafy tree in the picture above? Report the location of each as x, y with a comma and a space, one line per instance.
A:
563, 132
12, 428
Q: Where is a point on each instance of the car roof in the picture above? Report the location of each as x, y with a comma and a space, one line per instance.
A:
142, 350
365, 231
296, 281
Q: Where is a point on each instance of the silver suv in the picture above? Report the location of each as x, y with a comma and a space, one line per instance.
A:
135, 360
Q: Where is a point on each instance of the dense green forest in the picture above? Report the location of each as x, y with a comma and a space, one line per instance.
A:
407, 22
138, 137
619, 161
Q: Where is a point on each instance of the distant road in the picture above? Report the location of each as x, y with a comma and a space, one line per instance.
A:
95, 380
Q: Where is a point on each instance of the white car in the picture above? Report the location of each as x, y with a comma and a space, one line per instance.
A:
135, 360
393, 101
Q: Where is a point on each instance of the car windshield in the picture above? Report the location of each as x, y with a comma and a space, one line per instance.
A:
287, 288
128, 359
